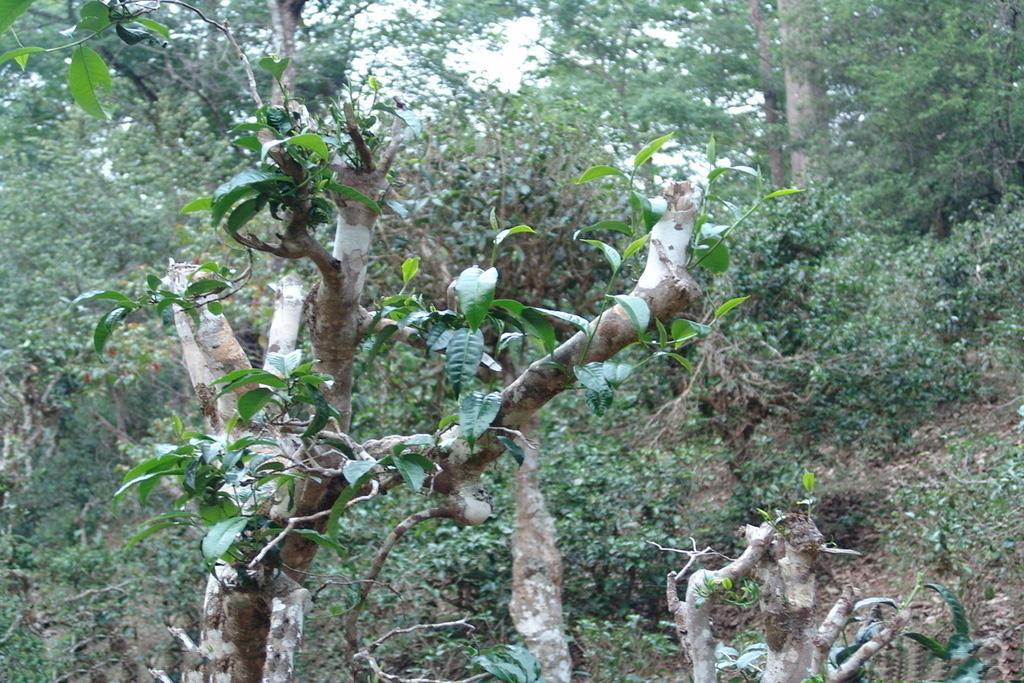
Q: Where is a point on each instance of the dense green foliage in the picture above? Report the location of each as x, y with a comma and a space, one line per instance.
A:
884, 305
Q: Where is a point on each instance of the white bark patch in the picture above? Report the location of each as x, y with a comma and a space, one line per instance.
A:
287, 618
284, 325
475, 504
351, 240
669, 245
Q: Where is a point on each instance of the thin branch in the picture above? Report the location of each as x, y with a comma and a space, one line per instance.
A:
397, 137
378, 563
832, 626
288, 528
418, 627
850, 667
223, 28
352, 128
187, 643
371, 662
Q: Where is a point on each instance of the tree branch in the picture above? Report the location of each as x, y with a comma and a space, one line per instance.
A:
351, 635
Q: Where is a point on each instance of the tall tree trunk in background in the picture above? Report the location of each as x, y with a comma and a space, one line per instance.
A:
284, 21
805, 90
769, 94
536, 603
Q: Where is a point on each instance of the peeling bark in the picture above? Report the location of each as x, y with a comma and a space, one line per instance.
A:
536, 602
781, 555
788, 597
209, 350
693, 617
284, 325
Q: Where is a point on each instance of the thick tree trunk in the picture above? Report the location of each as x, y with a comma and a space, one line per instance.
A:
769, 94
804, 82
251, 621
536, 603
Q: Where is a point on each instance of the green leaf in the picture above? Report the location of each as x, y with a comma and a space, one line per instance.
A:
635, 246
204, 286
960, 646
747, 170
411, 120
616, 373
320, 539
410, 267
357, 473
960, 625
251, 402
413, 468
512, 447
971, 671
355, 194
592, 376
598, 172
933, 645
808, 481
243, 213
221, 535
285, 363
577, 321
94, 9
683, 329
105, 326
610, 254
96, 294
322, 414
201, 204
648, 151
315, 144
712, 151
20, 55
540, 327
274, 66
355, 470
598, 394
713, 255
682, 360
512, 306
462, 358
11, 10
475, 289
637, 310
242, 377
243, 179
155, 26
87, 75
729, 305
500, 237
249, 142
617, 226
782, 193
598, 402
130, 35
477, 411
398, 208
648, 213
